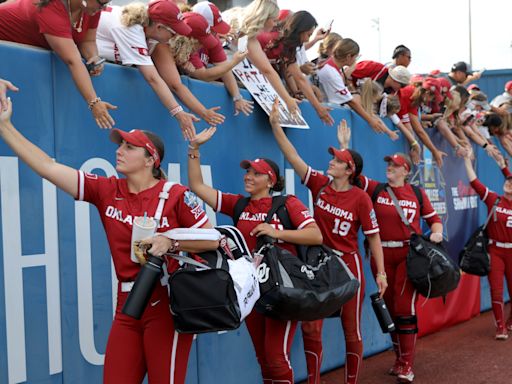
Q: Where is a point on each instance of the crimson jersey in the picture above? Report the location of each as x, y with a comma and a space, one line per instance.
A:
202, 57
501, 229
368, 68
392, 227
118, 207
340, 214
406, 106
24, 22
256, 212
266, 40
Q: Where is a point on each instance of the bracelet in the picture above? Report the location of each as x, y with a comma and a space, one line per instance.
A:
93, 102
456, 148
174, 111
174, 245
485, 145
193, 155
414, 143
193, 148
237, 98
381, 276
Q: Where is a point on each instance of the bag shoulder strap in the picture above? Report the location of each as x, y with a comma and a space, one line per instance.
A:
419, 195
491, 213
398, 208
321, 190
378, 189
279, 207
164, 195
239, 208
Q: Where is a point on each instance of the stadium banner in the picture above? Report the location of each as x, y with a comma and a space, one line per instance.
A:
57, 282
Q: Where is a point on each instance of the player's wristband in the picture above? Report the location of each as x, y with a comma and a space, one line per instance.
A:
174, 111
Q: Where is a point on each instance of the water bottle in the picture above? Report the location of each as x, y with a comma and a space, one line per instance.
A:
143, 287
382, 313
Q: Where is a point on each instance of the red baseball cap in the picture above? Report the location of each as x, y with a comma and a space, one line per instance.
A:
168, 13
398, 160
508, 85
260, 166
416, 78
343, 155
283, 14
477, 88
212, 15
200, 29
139, 139
444, 86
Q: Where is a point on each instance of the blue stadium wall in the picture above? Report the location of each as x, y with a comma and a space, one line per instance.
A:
56, 276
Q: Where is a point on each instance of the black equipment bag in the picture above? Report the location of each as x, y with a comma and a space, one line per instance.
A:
309, 289
474, 258
203, 294
430, 269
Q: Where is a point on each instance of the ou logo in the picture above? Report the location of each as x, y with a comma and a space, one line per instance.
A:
263, 273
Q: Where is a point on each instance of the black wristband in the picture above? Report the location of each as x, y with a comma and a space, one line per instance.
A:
485, 145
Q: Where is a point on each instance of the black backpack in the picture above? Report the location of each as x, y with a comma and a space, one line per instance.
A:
474, 258
429, 267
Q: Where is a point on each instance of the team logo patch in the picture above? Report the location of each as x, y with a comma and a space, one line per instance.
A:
190, 199
373, 218
263, 273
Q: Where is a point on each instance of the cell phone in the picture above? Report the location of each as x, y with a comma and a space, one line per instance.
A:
92, 66
328, 27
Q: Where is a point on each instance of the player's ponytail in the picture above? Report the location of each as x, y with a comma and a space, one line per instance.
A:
158, 173
279, 185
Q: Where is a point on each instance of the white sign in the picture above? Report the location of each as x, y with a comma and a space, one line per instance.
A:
264, 94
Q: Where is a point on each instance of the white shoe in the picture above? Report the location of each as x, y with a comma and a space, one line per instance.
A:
405, 375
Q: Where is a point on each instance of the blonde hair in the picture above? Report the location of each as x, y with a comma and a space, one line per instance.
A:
135, 13
452, 105
371, 92
345, 47
233, 17
182, 47
328, 43
255, 16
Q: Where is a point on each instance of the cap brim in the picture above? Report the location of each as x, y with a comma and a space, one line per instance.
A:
208, 41
222, 28
117, 136
388, 158
245, 164
181, 28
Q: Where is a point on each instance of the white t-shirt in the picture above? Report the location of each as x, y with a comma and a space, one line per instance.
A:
120, 44
301, 56
332, 83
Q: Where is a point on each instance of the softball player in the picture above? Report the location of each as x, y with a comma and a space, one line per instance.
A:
340, 210
499, 231
272, 338
149, 345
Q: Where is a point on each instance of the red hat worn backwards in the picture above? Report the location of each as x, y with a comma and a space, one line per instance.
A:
200, 29
139, 139
508, 85
212, 15
398, 160
260, 166
167, 13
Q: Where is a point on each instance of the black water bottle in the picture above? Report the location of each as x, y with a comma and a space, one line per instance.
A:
143, 287
382, 313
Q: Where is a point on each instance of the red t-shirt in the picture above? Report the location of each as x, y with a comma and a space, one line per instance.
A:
23, 22
266, 40
406, 106
202, 57
256, 212
501, 229
368, 68
340, 214
391, 225
118, 207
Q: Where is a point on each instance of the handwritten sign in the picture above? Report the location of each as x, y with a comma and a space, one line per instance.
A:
264, 94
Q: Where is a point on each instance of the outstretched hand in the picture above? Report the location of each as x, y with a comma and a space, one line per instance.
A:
6, 113
343, 134
202, 137
5, 86
275, 118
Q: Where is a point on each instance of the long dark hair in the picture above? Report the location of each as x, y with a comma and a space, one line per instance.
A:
279, 185
158, 173
299, 22
358, 162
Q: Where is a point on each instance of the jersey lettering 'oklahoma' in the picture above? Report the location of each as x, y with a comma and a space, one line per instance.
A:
117, 214
504, 210
402, 203
332, 209
260, 216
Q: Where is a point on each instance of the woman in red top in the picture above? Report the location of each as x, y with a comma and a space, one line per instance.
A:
401, 296
69, 29
340, 210
149, 345
499, 230
272, 338
297, 30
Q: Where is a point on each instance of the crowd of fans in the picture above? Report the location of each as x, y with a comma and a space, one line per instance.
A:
166, 39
